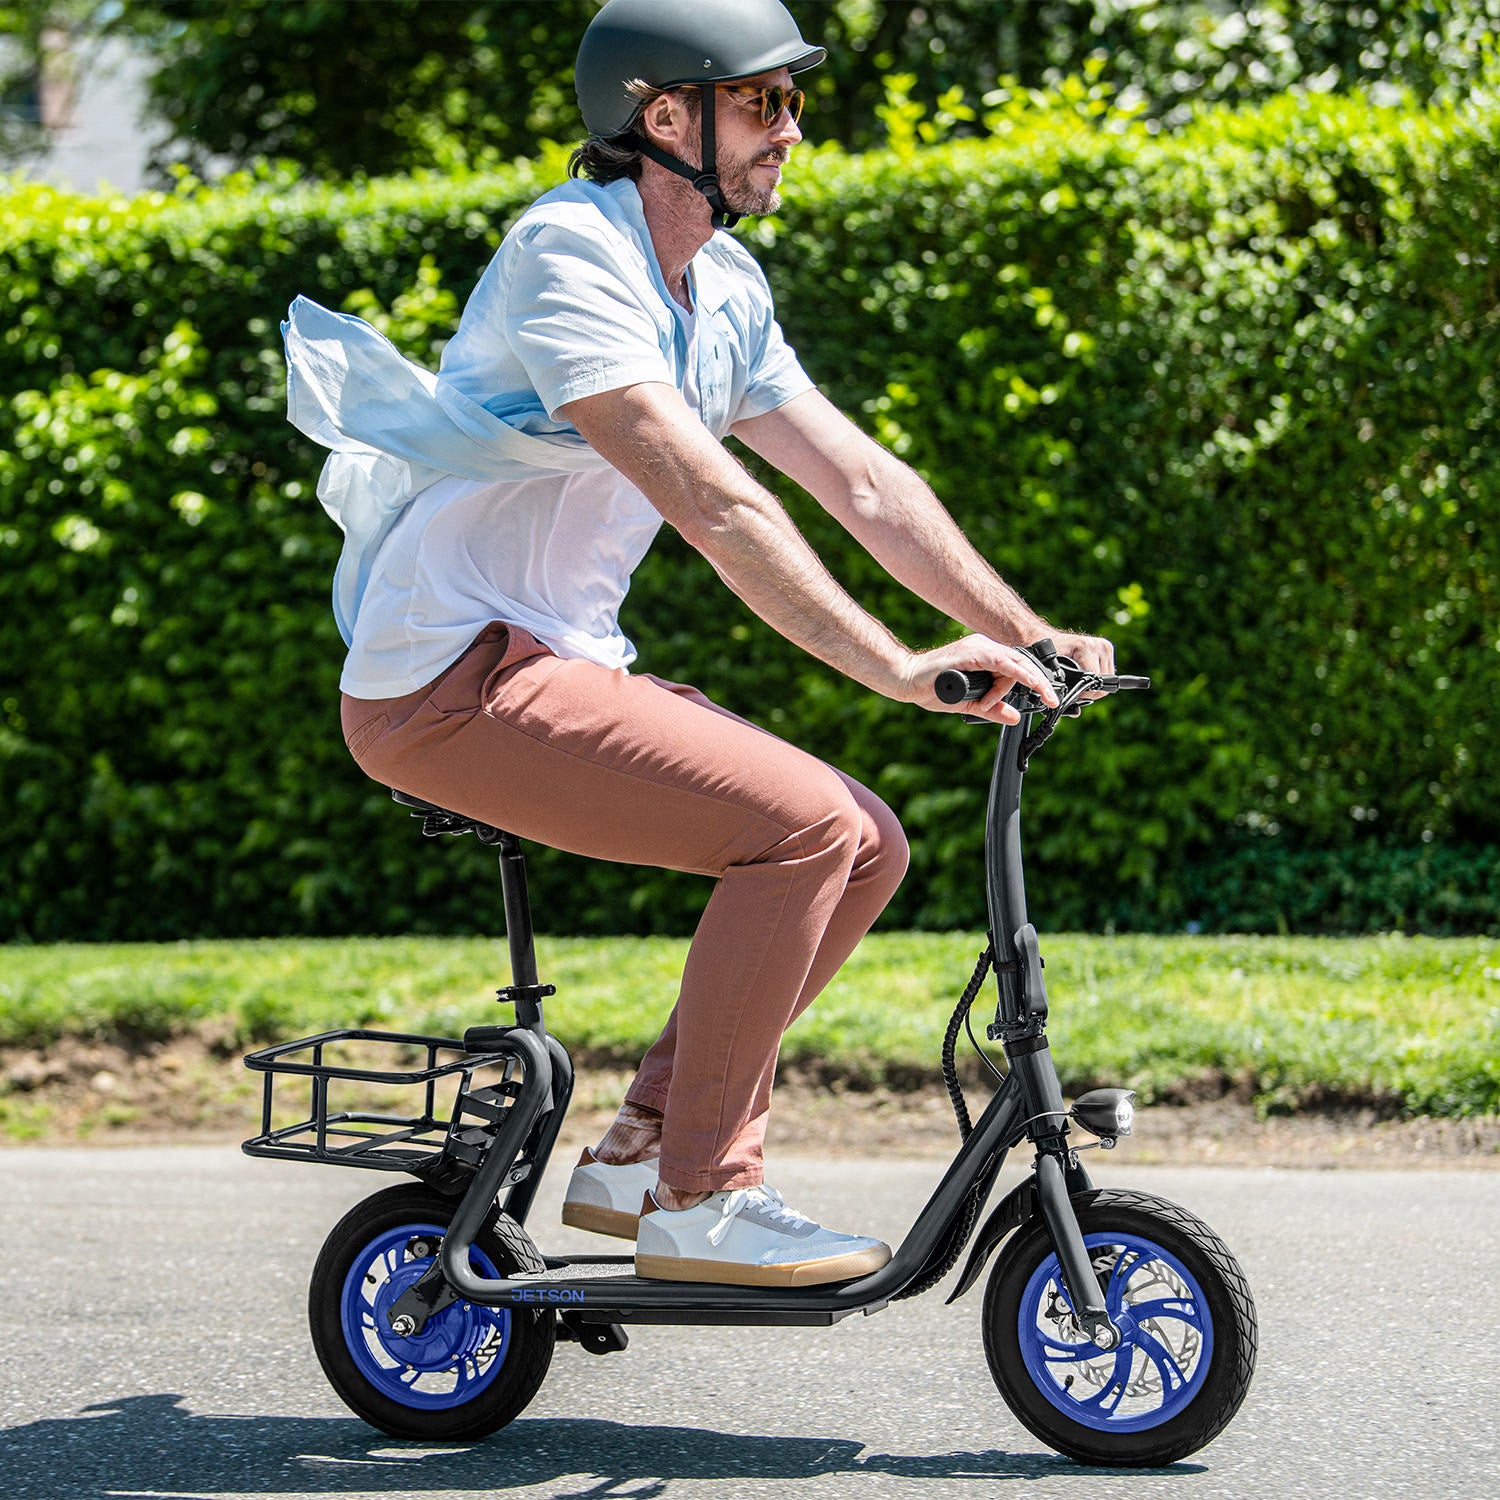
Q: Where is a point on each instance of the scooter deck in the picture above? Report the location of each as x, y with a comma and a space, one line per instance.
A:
599, 1289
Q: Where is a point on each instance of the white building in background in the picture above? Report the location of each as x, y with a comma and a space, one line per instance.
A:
90, 101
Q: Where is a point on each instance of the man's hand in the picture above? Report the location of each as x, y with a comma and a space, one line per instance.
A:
1092, 652
1008, 665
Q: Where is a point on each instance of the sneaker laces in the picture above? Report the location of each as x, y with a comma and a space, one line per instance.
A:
770, 1203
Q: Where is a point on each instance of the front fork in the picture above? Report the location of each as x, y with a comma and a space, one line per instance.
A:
1021, 1027
1058, 1176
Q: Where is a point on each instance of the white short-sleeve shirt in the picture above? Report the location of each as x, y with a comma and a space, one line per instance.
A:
572, 304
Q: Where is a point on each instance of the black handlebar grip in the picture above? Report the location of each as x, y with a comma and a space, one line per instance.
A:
954, 686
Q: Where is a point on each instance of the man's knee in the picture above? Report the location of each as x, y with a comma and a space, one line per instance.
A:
841, 828
884, 850
838, 820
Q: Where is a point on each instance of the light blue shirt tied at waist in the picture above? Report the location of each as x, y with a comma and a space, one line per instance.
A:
394, 428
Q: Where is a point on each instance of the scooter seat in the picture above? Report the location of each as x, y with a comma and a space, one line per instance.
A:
439, 820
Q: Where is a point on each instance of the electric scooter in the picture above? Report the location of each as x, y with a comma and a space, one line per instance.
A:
1119, 1328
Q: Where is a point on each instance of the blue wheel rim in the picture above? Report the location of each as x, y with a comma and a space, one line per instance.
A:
1165, 1352
457, 1354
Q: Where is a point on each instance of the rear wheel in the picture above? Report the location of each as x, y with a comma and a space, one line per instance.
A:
1187, 1324
471, 1369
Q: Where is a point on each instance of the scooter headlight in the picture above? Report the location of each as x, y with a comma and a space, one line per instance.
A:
1107, 1113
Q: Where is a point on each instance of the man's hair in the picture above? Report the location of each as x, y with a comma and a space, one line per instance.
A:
607, 158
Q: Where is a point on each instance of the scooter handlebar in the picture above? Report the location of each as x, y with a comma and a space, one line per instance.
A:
956, 686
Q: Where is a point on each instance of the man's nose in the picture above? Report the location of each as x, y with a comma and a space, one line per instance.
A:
784, 129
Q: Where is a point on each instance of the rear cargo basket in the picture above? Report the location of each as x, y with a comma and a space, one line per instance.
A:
391, 1101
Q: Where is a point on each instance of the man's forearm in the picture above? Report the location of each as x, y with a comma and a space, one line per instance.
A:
887, 507
910, 533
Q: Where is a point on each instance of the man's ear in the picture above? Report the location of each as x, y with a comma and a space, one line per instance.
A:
666, 116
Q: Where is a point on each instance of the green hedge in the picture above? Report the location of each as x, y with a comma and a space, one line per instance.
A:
1228, 396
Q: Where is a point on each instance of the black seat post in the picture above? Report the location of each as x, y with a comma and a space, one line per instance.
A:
525, 991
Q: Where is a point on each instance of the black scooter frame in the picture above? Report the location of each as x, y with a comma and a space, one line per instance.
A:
1027, 1105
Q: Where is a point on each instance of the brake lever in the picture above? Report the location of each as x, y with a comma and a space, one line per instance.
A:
1024, 700
1095, 682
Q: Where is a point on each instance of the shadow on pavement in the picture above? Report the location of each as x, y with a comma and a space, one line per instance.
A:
152, 1445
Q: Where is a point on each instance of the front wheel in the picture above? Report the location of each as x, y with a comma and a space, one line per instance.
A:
1187, 1325
471, 1369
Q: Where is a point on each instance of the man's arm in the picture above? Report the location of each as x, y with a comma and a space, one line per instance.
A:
652, 437
888, 508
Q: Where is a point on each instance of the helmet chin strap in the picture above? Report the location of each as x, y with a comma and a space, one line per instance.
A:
706, 177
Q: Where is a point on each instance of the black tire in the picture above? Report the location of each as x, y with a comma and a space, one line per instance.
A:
495, 1358
1178, 1377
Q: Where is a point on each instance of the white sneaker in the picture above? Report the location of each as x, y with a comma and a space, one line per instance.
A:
607, 1199
749, 1237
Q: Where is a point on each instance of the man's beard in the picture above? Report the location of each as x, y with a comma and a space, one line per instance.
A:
741, 195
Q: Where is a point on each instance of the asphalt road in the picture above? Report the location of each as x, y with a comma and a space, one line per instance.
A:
155, 1345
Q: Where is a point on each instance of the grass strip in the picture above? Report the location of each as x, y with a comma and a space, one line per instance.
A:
1411, 1025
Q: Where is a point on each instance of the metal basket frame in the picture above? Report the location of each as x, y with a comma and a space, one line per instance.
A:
425, 1142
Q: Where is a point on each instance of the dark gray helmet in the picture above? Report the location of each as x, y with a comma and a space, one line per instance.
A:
669, 43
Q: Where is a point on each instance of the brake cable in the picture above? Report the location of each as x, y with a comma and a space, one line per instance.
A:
950, 1040
1085, 683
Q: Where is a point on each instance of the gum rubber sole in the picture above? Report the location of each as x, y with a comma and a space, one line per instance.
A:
739, 1273
611, 1221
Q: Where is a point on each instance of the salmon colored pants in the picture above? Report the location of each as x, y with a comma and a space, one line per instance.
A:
626, 767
